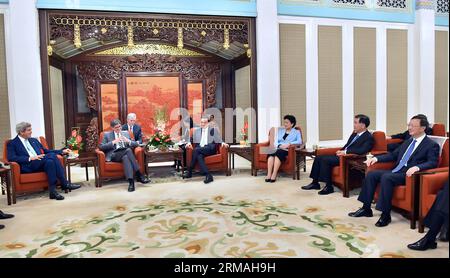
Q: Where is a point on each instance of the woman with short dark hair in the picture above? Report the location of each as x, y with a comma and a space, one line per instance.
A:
286, 136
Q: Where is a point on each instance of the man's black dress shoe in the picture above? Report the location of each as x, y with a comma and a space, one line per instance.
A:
311, 186
131, 187
443, 236
326, 190
5, 215
208, 179
71, 186
56, 196
2, 226
187, 175
383, 221
142, 179
423, 244
362, 212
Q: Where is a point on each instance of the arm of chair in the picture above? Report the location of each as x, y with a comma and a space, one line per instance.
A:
139, 154
327, 151
431, 184
101, 160
15, 171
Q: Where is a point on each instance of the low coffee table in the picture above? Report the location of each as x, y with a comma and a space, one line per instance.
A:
244, 151
163, 156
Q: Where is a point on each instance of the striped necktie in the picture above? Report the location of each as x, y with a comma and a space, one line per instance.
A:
406, 157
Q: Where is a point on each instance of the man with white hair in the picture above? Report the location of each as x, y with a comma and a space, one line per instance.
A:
32, 157
133, 129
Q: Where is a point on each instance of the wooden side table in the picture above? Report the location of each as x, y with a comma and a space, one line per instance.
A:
355, 171
163, 156
86, 160
7, 184
300, 159
243, 151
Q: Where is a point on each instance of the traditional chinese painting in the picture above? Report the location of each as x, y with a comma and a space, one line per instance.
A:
109, 101
152, 99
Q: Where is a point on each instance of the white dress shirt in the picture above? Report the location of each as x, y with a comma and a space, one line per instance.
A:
120, 144
204, 140
28, 147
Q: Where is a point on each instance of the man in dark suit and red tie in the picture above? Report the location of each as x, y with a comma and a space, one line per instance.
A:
133, 129
360, 142
32, 157
419, 153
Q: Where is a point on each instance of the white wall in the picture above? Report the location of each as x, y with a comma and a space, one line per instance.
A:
24, 66
348, 73
268, 63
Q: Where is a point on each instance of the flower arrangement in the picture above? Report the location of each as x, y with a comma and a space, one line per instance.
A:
75, 142
160, 140
244, 134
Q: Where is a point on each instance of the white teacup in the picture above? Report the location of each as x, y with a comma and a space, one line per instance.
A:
369, 156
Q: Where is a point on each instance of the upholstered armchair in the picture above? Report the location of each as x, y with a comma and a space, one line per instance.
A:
260, 159
114, 170
26, 183
430, 185
217, 162
438, 130
405, 196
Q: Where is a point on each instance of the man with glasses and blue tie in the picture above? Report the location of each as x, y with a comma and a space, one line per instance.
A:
419, 153
32, 157
360, 142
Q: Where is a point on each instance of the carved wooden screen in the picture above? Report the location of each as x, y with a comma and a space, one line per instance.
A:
195, 103
109, 103
152, 98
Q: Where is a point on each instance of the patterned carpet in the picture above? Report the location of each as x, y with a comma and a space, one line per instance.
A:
240, 216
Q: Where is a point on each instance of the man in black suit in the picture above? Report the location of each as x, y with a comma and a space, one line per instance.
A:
4, 216
206, 139
360, 142
32, 157
133, 129
436, 219
405, 136
419, 153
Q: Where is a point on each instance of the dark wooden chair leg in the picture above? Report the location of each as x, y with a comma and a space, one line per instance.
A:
412, 221
421, 227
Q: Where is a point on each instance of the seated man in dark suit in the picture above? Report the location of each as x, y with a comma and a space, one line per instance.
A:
436, 219
419, 153
32, 157
404, 136
4, 216
133, 129
206, 139
360, 142
118, 147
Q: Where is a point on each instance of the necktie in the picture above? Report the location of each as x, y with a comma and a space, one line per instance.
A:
130, 131
353, 141
406, 157
120, 144
30, 148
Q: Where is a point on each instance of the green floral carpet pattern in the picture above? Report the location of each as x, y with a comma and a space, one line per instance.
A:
217, 227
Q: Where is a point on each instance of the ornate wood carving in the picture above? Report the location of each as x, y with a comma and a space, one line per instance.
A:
141, 34
190, 69
92, 135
